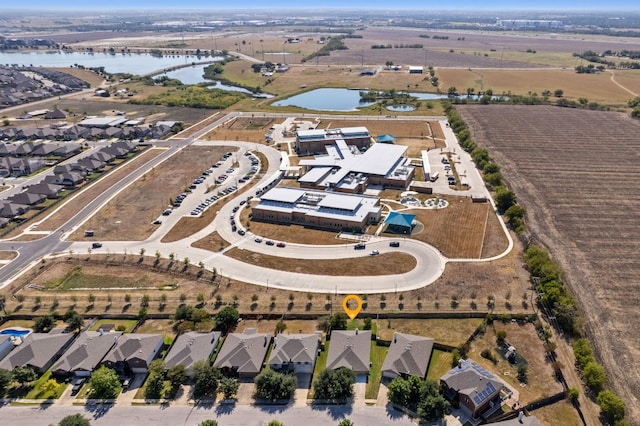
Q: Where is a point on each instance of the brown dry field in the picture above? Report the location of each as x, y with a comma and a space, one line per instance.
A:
89, 76
212, 242
595, 87
242, 129
452, 332
629, 79
540, 372
383, 264
129, 215
8, 255
587, 219
74, 204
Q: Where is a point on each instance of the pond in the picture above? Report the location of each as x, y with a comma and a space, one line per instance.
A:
326, 100
134, 63
195, 75
341, 99
401, 108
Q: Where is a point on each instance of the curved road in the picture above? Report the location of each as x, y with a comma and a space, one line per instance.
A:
430, 262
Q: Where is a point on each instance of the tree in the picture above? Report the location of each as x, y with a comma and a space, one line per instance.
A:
273, 386
208, 422
611, 405
229, 387
207, 378
155, 386
275, 423
558, 93
74, 322
594, 376
24, 375
574, 394
505, 199
177, 375
345, 422
227, 318
44, 324
144, 302
104, 383
74, 420
157, 366
5, 380
50, 385
334, 384
405, 392
338, 321
432, 405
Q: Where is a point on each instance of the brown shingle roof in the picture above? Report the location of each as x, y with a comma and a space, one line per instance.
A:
243, 352
408, 354
350, 349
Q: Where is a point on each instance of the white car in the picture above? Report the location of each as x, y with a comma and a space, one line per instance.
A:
374, 252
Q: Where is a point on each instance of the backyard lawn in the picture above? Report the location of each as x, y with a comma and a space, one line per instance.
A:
439, 364
128, 324
378, 354
38, 390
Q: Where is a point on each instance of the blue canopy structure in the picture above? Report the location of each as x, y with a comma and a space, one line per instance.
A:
400, 222
386, 139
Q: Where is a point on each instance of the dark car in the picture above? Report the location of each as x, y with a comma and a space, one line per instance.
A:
280, 244
96, 245
269, 243
359, 246
394, 244
241, 232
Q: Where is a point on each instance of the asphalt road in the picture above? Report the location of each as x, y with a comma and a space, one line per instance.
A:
430, 262
226, 416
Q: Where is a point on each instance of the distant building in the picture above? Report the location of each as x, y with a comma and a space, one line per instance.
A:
416, 70
528, 23
310, 142
368, 71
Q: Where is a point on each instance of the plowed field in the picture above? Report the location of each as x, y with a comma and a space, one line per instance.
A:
576, 172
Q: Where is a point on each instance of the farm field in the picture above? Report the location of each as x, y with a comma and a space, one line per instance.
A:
130, 214
587, 219
595, 87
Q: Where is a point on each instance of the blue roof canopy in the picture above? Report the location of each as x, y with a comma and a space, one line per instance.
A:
400, 219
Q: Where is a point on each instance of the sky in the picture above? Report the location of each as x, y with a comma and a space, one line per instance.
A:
114, 5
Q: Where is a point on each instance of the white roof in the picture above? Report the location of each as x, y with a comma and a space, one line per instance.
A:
380, 160
102, 121
315, 174
332, 133
283, 195
338, 201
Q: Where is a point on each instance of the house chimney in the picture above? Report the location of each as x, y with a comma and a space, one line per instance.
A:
395, 337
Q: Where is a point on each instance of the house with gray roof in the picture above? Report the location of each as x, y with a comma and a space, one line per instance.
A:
350, 349
85, 354
49, 190
295, 352
134, 352
243, 353
27, 198
475, 389
521, 420
191, 347
11, 210
38, 351
408, 356
6, 344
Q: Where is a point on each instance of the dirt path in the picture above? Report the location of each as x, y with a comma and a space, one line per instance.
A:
613, 80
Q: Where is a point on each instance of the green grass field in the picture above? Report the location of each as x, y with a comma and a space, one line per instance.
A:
439, 364
378, 354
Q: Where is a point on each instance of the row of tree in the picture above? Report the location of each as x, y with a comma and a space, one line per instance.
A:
505, 199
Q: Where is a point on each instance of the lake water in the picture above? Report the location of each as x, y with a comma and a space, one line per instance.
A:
130, 63
341, 100
326, 100
195, 75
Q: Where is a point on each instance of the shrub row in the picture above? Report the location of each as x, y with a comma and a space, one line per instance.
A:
505, 199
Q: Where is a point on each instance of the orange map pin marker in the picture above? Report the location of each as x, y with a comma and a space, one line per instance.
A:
351, 313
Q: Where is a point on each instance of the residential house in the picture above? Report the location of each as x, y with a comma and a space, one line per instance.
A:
86, 353
408, 356
38, 351
295, 352
191, 347
11, 210
134, 352
243, 353
475, 389
350, 349
56, 114
6, 344
48, 190
521, 420
26, 198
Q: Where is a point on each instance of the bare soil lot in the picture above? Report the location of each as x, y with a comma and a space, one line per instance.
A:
588, 220
129, 215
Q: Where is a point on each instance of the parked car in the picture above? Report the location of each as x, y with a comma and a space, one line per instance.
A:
359, 246
281, 244
394, 244
269, 243
157, 222
258, 240
96, 245
241, 232
167, 212
374, 252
